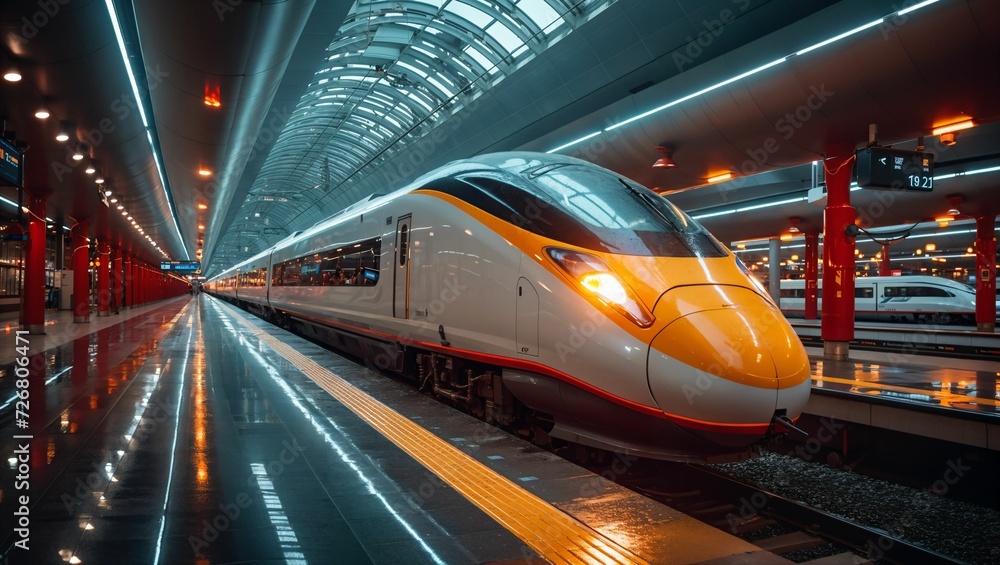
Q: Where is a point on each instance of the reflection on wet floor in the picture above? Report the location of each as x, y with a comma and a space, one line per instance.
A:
952, 388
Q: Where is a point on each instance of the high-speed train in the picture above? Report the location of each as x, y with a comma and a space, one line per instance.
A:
912, 298
551, 297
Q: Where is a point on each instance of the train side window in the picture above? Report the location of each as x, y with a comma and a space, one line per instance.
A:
893, 291
404, 235
864, 292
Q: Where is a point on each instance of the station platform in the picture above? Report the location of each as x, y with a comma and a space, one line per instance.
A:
191, 432
910, 338
944, 398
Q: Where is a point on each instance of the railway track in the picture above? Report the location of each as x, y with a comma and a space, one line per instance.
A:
778, 524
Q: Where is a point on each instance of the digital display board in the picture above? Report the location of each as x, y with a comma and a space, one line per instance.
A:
11, 164
188, 267
895, 169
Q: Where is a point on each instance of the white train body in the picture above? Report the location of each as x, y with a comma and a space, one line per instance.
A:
919, 298
473, 280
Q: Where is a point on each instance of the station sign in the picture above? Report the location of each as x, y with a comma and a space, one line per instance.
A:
11, 164
895, 169
188, 267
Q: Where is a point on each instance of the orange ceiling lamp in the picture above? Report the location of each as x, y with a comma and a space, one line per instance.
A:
213, 97
667, 160
953, 126
202, 206
204, 171
720, 177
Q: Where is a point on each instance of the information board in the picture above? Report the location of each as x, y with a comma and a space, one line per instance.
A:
11, 164
895, 169
188, 267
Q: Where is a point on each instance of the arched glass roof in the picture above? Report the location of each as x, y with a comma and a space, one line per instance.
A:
393, 70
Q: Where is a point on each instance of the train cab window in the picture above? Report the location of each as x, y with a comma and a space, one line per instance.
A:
866, 292
588, 207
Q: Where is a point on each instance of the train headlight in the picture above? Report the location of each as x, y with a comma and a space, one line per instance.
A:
595, 277
606, 286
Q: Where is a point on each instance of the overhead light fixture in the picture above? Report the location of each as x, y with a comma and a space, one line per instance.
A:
42, 113
666, 161
99, 179
202, 206
201, 226
62, 134
129, 218
107, 192
121, 207
205, 172
918, 252
953, 127
930, 247
943, 220
90, 168
720, 177
113, 200
12, 75
78, 154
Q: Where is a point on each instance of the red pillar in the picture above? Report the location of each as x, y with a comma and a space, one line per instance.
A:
81, 273
34, 270
117, 289
838, 254
812, 274
129, 296
103, 279
884, 269
986, 273
141, 284
135, 283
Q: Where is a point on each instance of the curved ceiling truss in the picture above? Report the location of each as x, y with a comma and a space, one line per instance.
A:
393, 69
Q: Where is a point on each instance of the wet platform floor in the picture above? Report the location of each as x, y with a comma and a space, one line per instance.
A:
181, 437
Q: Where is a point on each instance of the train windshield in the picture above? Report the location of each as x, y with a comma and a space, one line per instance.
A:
616, 214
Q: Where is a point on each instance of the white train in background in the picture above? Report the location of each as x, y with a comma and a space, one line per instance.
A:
910, 298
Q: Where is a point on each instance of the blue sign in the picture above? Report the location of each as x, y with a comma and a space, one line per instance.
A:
188, 267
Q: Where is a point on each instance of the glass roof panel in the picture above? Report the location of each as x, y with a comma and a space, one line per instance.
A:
538, 11
361, 108
475, 16
504, 36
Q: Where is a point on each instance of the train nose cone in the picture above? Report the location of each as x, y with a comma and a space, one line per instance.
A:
724, 357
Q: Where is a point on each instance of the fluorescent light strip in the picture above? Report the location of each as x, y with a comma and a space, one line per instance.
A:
745, 74
748, 208
841, 36
905, 11
145, 122
572, 143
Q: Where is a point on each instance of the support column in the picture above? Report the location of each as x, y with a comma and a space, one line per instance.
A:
812, 274
81, 274
838, 255
986, 273
884, 269
34, 270
103, 279
117, 289
127, 283
774, 270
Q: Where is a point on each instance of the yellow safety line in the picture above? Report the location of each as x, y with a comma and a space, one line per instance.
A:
555, 535
949, 397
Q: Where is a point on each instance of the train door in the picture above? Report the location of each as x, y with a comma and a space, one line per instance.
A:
527, 318
401, 270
